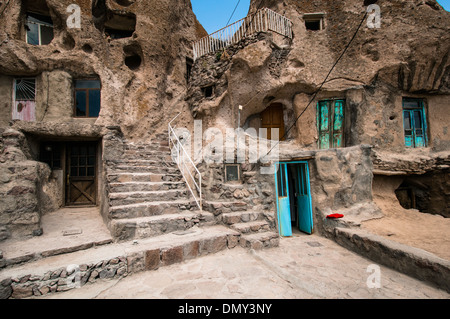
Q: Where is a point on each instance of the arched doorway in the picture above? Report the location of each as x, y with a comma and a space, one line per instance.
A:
272, 117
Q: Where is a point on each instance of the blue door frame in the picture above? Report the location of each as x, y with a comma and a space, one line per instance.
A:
304, 201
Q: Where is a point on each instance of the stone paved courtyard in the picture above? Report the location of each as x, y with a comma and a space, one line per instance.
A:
306, 267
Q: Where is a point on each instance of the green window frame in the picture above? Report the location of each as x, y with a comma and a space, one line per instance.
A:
415, 123
330, 123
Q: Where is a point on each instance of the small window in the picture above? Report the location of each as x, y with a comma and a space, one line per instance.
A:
414, 123
314, 21
87, 98
51, 154
189, 64
24, 96
25, 89
232, 173
330, 123
208, 91
39, 29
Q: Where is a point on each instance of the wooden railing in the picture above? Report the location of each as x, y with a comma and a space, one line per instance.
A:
263, 20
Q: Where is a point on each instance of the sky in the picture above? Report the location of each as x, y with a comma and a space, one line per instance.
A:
214, 14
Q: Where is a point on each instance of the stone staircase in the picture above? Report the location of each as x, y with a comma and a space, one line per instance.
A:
148, 196
255, 227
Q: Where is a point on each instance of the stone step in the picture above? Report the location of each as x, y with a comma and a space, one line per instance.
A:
145, 186
150, 147
260, 240
221, 207
145, 227
241, 217
143, 177
115, 260
148, 209
143, 169
147, 154
251, 227
143, 162
119, 199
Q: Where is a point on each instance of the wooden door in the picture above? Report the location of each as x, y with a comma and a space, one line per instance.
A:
272, 118
81, 179
283, 205
305, 218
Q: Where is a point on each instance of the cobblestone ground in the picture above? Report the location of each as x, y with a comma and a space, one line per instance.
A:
302, 267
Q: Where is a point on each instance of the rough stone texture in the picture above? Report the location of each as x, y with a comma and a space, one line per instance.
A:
23, 186
380, 68
412, 261
136, 257
160, 43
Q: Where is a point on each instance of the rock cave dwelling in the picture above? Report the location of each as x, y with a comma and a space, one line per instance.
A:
102, 103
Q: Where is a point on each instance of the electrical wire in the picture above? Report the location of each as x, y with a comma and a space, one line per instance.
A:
233, 12
4, 8
323, 83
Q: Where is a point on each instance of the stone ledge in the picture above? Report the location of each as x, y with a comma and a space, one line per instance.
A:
112, 261
411, 261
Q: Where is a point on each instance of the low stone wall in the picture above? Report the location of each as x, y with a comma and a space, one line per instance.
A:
62, 279
408, 260
131, 259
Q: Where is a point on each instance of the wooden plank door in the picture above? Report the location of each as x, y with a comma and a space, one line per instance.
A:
272, 118
81, 179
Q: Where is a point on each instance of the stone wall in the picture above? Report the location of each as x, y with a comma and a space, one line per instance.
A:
341, 182
253, 192
22, 187
136, 259
132, 94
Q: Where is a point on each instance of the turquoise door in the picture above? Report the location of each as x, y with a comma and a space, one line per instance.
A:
284, 208
305, 220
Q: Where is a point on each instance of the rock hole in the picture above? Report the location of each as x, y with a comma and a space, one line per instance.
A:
427, 193
87, 48
124, 3
133, 56
68, 42
208, 91
120, 26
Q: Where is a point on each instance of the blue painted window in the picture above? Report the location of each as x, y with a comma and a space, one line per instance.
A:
414, 123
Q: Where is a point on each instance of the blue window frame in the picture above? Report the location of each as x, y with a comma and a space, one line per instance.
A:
414, 123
